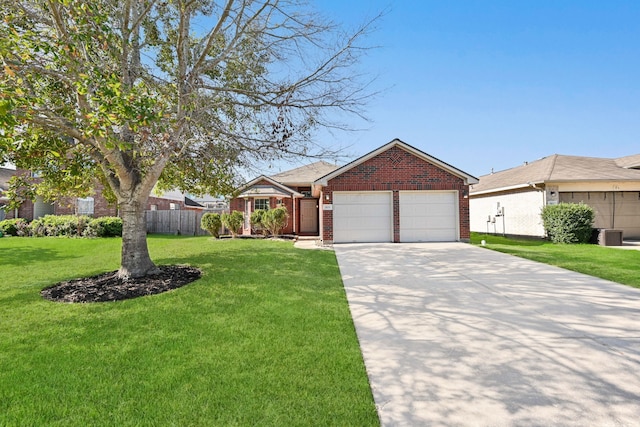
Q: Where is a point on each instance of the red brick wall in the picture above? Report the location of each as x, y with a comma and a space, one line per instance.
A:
395, 170
238, 204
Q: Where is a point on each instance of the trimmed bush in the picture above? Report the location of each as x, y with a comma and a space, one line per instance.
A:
233, 221
104, 226
568, 222
212, 223
275, 220
14, 227
256, 221
59, 226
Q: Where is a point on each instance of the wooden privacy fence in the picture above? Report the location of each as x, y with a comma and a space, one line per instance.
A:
183, 222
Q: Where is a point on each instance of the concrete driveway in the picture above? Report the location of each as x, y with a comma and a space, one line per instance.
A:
453, 334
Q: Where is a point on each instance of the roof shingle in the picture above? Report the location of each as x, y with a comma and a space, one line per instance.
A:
561, 168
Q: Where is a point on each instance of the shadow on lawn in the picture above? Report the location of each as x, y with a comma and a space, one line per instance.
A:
28, 255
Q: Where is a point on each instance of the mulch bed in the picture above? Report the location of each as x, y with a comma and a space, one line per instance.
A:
109, 287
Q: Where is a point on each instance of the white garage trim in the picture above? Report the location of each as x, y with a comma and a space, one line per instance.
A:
362, 216
429, 216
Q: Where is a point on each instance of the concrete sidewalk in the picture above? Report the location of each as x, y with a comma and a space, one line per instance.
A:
453, 334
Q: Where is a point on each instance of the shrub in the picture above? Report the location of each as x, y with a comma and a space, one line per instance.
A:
14, 227
233, 221
275, 220
568, 222
256, 221
59, 226
212, 223
104, 226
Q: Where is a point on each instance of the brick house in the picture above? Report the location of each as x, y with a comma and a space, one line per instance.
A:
95, 205
395, 193
292, 189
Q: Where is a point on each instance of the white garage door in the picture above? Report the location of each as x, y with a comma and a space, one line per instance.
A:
428, 216
362, 217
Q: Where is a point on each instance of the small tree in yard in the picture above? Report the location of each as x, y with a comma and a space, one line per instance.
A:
568, 222
212, 223
168, 94
233, 221
275, 220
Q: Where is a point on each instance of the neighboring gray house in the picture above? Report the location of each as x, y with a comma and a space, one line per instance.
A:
510, 201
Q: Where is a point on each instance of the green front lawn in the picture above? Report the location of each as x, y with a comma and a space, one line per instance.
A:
617, 265
263, 338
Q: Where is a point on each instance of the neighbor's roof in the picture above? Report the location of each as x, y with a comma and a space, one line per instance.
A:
560, 168
305, 175
470, 179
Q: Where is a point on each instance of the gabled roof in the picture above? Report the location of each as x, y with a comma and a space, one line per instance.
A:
272, 189
305, 175
193, 203
559, 168
469, 179
629, 162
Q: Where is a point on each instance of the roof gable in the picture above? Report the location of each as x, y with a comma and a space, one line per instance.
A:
278, 188
469, 179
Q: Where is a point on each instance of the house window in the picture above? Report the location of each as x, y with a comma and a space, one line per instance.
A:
174, 206
261, 204
154, 207
85, 206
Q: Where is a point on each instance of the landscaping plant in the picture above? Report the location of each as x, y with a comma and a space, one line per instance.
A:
256, 221
233, 222
211, 222
568, 222
275, 220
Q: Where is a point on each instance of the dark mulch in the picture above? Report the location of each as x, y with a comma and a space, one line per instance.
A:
108, 287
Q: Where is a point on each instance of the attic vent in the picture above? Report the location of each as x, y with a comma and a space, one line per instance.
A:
395, 158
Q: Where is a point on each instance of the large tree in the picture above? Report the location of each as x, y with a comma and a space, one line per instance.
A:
171, 93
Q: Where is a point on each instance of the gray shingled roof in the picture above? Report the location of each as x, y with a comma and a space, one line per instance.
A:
305, 175
560, 168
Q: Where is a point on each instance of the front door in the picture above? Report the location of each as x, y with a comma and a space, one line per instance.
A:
309, 216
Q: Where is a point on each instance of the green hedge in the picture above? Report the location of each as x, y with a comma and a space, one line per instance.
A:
568, 222
104, 226
14, 227
63, 226
59, 226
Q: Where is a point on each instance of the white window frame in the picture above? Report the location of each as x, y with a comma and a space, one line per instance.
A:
255, 203
86, 205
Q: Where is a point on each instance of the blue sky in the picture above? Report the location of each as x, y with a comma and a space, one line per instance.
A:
491, 84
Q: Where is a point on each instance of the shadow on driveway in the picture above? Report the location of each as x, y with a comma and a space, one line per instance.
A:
454, 334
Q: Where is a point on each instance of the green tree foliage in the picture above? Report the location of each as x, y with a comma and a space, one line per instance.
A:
211, 222
568, 222
275, 220
233, 222
168, 94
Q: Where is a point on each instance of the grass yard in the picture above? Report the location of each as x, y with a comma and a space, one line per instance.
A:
263, 338
617, 265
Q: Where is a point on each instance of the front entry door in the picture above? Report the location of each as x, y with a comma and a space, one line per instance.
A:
309, 216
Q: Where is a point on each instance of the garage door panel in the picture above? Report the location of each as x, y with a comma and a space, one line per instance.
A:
428, 216
362, 217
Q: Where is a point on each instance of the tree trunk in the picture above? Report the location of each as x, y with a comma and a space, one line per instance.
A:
136, 261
